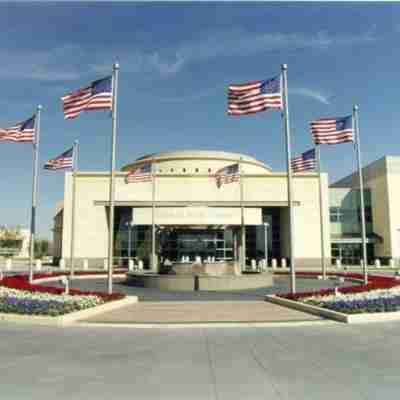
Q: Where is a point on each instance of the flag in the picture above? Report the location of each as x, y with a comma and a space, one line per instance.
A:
332, 130
63, 161
305, 162
96, 96
21, 132
252, 97
141, 173
227, 174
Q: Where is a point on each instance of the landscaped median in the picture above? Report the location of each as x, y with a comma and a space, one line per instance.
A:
378, 300
23, 301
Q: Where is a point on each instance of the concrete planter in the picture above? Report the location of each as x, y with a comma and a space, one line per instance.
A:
70, 318
337, 316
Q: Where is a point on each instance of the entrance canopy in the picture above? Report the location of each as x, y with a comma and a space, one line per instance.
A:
197, 215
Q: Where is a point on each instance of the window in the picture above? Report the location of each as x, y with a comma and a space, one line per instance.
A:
209, 169
183, 169
196, 170
335, 214
172, 170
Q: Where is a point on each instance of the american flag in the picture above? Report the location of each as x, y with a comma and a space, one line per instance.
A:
141, 173
96, 96
63, 161
21, 132
304, 162
227, 174
332, 130
252, 97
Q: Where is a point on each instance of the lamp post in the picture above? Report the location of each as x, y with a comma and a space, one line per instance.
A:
266, 224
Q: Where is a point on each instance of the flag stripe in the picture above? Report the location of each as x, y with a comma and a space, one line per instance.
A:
63, 161
305, 162
227, 175
256, 96
142, 173
97, 96
332, 130
22, 132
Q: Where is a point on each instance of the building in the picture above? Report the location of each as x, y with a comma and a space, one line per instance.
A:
14, 242
193, 216
382, 194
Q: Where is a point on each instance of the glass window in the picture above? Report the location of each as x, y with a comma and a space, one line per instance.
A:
335, 214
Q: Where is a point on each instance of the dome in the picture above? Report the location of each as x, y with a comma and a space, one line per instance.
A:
198, 161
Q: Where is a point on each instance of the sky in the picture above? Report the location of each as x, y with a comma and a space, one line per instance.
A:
176, 62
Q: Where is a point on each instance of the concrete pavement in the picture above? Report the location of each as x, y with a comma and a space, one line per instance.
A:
171, 312
311, 362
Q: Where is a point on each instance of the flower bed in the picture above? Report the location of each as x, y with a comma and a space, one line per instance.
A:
17, 301
19, 296
22, 282
384, 300
381, 294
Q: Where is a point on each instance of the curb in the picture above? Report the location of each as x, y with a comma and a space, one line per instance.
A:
195, 325
70, 318
76, 277
334, 315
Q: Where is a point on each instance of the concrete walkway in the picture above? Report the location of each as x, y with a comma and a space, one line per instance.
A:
201, 312
329, 362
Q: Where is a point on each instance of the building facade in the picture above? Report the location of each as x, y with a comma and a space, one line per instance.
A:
193, 217
382, 193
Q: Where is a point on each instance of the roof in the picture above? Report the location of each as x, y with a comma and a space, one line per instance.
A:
211, 157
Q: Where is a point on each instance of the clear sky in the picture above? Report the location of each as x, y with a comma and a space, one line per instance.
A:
177, 60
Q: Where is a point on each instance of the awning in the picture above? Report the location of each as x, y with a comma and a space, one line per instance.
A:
198, 215
356, 238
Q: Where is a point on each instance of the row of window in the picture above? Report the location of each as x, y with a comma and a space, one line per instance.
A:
184, 170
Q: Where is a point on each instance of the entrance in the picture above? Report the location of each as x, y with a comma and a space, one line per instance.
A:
177, 244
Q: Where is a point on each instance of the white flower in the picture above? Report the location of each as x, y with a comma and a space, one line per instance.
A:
371, 295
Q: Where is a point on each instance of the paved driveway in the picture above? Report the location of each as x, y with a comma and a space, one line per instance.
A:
281, 285
312, 362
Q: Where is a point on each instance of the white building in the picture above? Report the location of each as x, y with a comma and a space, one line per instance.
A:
192, 215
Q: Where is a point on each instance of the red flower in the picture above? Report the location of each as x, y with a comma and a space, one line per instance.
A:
374, 282
22, 282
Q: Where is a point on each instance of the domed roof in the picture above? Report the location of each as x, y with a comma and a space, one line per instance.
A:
182, 160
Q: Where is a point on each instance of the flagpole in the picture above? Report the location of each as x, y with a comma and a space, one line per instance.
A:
289, 177
153, 227
321, 218
361, 184
243, 229
34, 192
112, 176
75, 155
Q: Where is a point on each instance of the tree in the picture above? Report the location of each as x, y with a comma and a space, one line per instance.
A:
42, 247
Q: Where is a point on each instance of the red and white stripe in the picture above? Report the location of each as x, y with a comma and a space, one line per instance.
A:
299, 164
83, 100
59, 164
247, 99
324, 132
130, 178
136, 176
224, 179
14, 134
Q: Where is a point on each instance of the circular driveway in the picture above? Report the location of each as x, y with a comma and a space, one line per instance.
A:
281, 285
